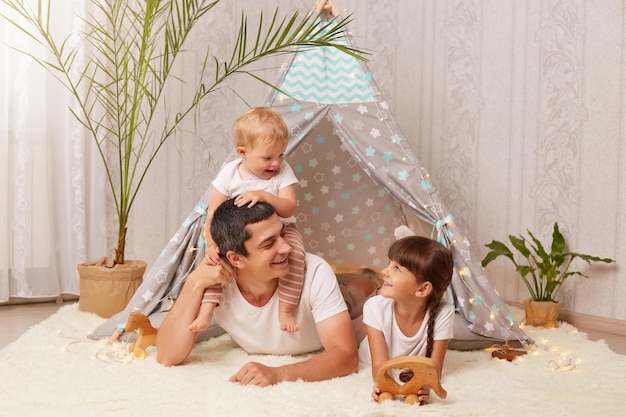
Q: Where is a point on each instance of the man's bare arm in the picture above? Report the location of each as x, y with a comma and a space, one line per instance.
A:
174, 340
339, 358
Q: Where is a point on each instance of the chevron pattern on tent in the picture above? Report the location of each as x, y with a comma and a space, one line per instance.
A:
329, 76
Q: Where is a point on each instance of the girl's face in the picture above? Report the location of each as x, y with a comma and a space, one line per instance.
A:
263, 160
398, 281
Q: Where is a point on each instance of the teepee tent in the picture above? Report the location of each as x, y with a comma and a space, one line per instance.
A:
359, 180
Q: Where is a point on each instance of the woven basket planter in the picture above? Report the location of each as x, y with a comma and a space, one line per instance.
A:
106, 291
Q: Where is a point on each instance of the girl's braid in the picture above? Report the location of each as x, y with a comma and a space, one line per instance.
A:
433, 306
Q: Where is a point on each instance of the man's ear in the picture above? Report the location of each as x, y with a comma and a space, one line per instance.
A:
235, 259
424, 289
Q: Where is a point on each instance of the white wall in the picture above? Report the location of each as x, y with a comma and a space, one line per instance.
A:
515, 107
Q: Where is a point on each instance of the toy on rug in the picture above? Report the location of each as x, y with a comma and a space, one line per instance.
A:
146, 333
425, 372
506, 352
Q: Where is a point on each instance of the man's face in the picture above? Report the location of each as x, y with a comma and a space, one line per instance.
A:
267, 250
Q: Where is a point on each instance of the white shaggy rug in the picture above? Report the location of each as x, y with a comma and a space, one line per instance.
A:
54, 370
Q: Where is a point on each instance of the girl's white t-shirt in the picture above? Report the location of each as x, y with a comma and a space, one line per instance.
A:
378, 313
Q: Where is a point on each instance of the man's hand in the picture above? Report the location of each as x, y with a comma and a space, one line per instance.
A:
254, 373
210, 275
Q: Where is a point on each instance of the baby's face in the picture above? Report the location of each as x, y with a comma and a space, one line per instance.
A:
264, 159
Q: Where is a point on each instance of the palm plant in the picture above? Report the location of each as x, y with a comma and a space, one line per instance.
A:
131, 47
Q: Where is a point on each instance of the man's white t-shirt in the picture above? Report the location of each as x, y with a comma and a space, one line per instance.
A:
257, 330
378, 313
230, 183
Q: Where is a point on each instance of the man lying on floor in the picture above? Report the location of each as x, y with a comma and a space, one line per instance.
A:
255, 254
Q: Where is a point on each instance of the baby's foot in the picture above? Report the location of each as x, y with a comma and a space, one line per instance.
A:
288, 323
198, 325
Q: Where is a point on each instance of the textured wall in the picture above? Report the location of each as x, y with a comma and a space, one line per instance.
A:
515, 108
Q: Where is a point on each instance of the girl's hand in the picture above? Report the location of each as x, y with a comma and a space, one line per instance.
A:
423, 395
375, 393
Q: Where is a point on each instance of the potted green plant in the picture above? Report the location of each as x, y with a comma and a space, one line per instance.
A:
118, 73
543, 272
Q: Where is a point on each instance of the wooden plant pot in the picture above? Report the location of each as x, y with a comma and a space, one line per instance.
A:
541, 313
106, 291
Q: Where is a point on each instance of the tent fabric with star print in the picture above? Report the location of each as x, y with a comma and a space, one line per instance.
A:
359, 180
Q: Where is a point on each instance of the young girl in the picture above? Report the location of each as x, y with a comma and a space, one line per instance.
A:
409, 316
260, 174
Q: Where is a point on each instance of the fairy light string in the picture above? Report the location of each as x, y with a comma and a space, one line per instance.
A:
117, 351
558, 360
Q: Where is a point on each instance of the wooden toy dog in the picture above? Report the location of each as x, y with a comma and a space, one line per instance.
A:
146, 336
425, 372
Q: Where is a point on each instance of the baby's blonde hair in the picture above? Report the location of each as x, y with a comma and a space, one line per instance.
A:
259, 124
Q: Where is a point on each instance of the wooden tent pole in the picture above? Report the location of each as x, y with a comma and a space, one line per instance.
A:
326, 5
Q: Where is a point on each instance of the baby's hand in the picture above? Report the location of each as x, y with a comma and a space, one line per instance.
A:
250, 199
211, 255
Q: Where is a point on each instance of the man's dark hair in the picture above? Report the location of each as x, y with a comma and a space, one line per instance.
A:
228, 227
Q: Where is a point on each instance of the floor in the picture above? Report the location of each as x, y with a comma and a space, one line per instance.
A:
16, 319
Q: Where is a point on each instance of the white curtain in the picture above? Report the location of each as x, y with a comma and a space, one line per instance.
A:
51, 189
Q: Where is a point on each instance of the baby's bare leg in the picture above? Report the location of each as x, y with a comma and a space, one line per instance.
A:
286, 316
205, 315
